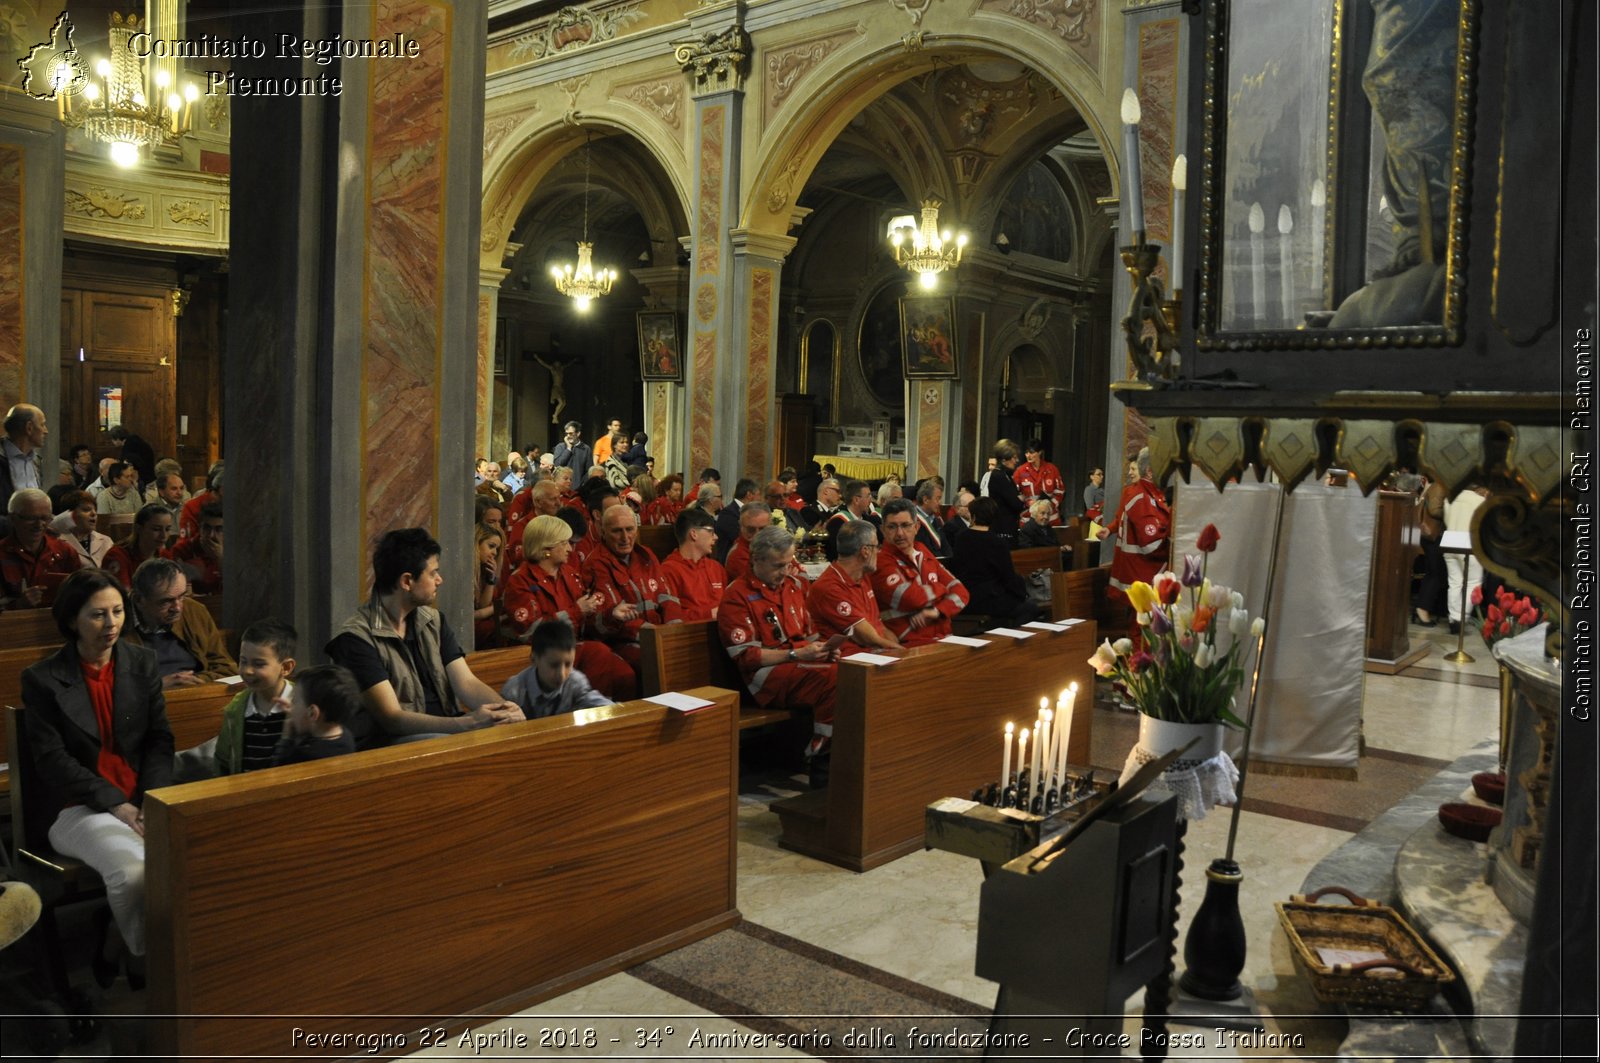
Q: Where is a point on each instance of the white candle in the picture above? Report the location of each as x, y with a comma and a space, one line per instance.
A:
1033, 764
1022, 761
1258, 264
1180, 184
1319, 202
1047, 738
1286, 263
1130, 151
1005, 758
1065, 731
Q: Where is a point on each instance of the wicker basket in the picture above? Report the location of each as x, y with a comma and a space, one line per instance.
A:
1405, 979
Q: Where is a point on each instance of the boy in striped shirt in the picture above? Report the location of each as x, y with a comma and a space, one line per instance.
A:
252, 723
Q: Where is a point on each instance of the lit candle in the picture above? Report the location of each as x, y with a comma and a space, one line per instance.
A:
1033, 764
1180, 183
1286, 263
1005, 758
1319, 202
1047, 739
1258, 264
1022, 762
1130, 152
1065, 730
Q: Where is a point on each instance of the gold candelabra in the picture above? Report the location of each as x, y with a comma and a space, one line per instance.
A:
1151, 324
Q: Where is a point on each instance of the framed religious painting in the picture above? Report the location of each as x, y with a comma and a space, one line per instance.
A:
660, 351
1332, 218
928, 337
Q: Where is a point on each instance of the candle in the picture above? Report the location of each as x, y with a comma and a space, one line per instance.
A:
1022, 762
1033, 764
1005, 758
1130, 152
1319, 202
1047, 738
1258, 265
1065, 730
1180, 183
1286, 263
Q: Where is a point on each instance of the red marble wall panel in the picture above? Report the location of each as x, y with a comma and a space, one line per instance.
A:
703, 404
708, 234
12, 339
758, 403
930, 428
1158, 124
404, 289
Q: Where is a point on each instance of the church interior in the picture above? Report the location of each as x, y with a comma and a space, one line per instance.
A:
1288, 262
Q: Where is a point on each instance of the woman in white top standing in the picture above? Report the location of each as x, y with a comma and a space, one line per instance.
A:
92, 546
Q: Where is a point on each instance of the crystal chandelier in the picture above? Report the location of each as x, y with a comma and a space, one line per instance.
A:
583, 283
126, 105
925, 251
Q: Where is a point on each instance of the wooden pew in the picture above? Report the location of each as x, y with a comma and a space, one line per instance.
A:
660, 538
28, 627
119, 526
1082, 592
435, 879
927, 727
680, 656
1033, 558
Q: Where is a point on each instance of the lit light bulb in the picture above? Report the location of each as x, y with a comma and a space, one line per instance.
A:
92, 91
103, 68
583, 302
124, 153
174, 101
163, 79
190, 92
930, 281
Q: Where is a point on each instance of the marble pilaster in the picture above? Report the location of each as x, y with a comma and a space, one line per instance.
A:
758, 267
483, 442
664, 406
354, 413
32, 153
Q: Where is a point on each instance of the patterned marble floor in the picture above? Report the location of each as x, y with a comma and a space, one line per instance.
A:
916, 918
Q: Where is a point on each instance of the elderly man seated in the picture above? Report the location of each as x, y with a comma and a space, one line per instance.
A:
188, 647
768, 631
842, 600
624, 573
753, 516
33, 562
917, 595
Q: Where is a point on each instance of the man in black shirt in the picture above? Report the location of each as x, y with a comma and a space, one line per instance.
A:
407, 662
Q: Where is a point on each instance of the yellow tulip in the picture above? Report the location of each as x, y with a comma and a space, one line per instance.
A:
1142, 596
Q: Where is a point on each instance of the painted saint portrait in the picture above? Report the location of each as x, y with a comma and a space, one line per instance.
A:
927, 337
660, 353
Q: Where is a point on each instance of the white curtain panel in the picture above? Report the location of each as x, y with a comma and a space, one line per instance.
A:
1308, 713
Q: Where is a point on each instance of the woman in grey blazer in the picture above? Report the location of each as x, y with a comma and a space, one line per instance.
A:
99, 739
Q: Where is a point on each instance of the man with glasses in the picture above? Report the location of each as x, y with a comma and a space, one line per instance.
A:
753, 516
695, 575
768, 631
916, 594
33, 562
842, 601
188, 647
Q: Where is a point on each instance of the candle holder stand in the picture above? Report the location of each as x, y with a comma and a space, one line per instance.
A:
1152, 322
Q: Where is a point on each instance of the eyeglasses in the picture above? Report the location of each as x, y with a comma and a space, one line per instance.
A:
771, 617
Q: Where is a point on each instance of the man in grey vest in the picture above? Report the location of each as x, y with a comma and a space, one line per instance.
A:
411, 670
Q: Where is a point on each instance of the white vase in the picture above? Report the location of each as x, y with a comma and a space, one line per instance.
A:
1160, 736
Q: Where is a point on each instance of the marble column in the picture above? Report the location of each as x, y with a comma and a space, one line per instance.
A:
714, 61
32, 167
757, 268
349, 403
483, 441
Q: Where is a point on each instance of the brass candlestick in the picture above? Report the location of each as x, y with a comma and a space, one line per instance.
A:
1151, 325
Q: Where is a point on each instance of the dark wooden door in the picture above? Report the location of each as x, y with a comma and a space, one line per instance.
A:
117, 366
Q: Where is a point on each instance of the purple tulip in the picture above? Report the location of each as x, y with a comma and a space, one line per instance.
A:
1193, 575
1159, 622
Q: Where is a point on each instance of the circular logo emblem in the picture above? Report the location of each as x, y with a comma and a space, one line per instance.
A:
522, 616
894, 578
844, 608
1150, 531
739, 634
652, 585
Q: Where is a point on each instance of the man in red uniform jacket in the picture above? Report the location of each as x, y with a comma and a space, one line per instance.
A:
33, 563
201, 554
1037, 478
753, 516
767, 630
624, 573
1142, 524
696, 577
916, 594
842, 601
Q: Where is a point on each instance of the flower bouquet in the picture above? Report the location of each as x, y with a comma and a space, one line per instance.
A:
1508, 616
1180, 675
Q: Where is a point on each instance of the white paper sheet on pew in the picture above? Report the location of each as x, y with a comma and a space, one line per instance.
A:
1010, 633
232, 680
962, 640
872, 658
682, 702
1043, 625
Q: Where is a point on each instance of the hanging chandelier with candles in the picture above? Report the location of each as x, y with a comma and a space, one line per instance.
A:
924, 250
582, 283
129, 103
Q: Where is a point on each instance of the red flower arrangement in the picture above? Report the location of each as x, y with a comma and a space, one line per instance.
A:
1508, 615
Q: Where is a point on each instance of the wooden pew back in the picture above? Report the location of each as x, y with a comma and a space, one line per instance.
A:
660, 538
1033, 558
930, 726
443, 878
1082, 593
28, 627
680, 656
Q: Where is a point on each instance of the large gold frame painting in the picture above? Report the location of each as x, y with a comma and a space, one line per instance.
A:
1334, 214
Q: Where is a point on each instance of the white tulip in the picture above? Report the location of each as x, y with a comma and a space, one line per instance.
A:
1238, 622
1203, 655
1123, 647
1257, 626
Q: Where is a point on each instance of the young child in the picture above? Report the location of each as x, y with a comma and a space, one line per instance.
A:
551, 685
324, 698
253, 721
